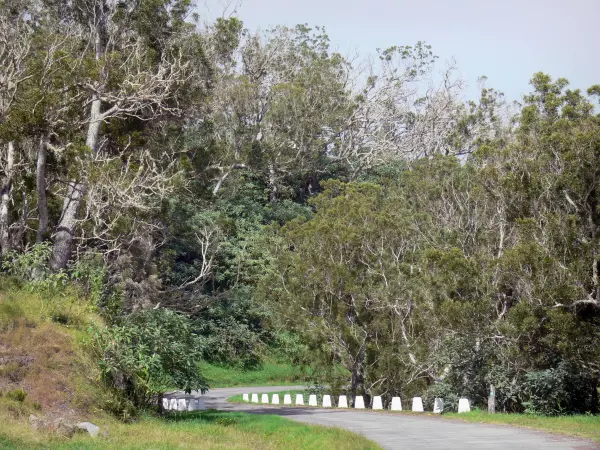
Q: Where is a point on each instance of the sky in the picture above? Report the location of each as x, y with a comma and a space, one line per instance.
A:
505, 40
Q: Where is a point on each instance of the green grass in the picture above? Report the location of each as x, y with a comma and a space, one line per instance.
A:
271, 373
207, 430
239, 398
577, 425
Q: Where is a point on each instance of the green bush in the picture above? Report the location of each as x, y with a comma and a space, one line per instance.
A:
565, 389
444, 391
18, 395
31, 267
148, 353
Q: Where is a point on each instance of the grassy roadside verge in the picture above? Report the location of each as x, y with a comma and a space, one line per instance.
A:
271, 373
577, 425
207, 430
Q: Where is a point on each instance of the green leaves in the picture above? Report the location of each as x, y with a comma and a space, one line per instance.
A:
150, 352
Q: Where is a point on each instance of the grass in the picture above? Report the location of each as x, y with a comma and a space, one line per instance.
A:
239, 398
271, 373
42, 355
577, 425
207, 430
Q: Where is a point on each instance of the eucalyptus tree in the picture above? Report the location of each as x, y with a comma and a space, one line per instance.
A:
279, 108
135, 59
15, 45
403, 110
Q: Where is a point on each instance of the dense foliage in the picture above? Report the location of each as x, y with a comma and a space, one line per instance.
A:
150, 352
461, 274
223, 194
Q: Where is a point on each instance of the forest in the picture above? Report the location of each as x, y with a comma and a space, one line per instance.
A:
221, 194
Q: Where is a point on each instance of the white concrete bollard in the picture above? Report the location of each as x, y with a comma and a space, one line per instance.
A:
464, 406
377, 403
417, 404
287, 399
264, 398
312, 400
275, 400
182, 404
246, 397
327, 401
343, 401
165, 404
299, 399
196, 404
396, 404
359, 402
438, 406
173, 404
254, 398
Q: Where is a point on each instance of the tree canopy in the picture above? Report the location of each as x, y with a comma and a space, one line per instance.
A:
265, 193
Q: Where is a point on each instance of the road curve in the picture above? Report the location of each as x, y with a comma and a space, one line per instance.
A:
399, 431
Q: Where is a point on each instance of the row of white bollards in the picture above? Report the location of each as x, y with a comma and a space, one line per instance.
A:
359, 403
182, 404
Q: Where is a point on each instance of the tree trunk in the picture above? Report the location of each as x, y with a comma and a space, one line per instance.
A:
492, 400
357, 375
5, 195
40, 179
76, 189
17, 236
272, 181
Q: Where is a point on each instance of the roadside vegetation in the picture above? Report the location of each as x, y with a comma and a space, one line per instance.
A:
239, 398
48, 369
270, 373
585, 426
207, 430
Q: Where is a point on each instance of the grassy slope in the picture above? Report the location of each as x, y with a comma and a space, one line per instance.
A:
271, 373
45, 358
41, 353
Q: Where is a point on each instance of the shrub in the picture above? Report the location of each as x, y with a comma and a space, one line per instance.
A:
444, 391
565, 389
148, 353
31, 266
18, 395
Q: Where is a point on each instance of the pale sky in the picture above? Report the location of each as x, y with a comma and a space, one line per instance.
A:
505, 40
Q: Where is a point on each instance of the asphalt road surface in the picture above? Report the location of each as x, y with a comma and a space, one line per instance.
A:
400, 431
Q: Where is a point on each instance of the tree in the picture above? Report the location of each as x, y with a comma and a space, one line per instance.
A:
278, 110
130, 75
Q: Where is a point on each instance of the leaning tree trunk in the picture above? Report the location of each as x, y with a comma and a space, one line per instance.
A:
76, 190
5, 195
40, 179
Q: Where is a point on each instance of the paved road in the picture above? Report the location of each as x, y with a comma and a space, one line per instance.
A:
401, 431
